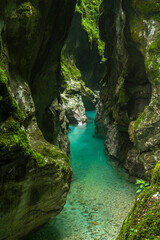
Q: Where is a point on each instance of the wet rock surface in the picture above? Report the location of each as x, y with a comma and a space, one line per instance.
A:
35, 175
129, 103
76, 97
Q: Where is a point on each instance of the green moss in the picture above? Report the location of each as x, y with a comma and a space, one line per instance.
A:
156, 174
55, 153
139, 119
72, 79
69, 70
14, 144
155, 46
1, 57
138, 32
8, 105
123, 98
91, 12
25, 10
149, 8
152, 62
40, 162
3, 78
144, 219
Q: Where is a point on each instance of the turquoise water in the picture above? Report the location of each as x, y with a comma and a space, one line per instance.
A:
100, 196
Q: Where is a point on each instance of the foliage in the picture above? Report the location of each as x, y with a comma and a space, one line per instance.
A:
91, 12
142, 185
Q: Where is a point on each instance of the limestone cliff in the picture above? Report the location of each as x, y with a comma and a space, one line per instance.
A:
129, 104
130, 90
76, 97
34, 174
83, 44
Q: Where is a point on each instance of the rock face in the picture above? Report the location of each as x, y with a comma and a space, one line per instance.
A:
84, 54
144, 218
129, 106
76, 95
34, 174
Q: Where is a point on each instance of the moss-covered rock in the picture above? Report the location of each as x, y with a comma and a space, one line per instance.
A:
130, 104
156, 175
82, 49
35, 175
22, 166
130, 90
90, 13
75, 90
144, 218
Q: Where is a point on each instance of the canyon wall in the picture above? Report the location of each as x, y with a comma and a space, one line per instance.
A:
129, 104
85, 55
35, 175
129, 109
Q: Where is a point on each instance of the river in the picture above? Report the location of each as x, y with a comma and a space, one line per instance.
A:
100, 195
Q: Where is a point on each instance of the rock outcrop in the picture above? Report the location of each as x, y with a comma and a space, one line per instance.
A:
129, 106
34, 174
82, 51
76, 96
144, 218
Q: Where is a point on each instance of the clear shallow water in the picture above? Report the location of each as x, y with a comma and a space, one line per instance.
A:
100, 196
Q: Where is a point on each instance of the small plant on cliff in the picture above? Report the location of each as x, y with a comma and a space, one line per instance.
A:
142, 185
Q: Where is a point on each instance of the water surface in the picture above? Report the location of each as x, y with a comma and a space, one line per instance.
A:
100, 196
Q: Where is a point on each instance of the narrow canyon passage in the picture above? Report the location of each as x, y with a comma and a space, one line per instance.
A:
100, 196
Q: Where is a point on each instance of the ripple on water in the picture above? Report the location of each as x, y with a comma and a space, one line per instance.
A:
100, 196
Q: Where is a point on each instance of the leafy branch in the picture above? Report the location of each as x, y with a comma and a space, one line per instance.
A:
142, 185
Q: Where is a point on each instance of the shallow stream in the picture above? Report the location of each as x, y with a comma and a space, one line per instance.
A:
100, 196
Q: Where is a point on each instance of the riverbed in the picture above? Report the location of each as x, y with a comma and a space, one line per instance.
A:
100, 196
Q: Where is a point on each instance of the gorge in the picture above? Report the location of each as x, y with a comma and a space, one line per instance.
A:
94, 208
54, 56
